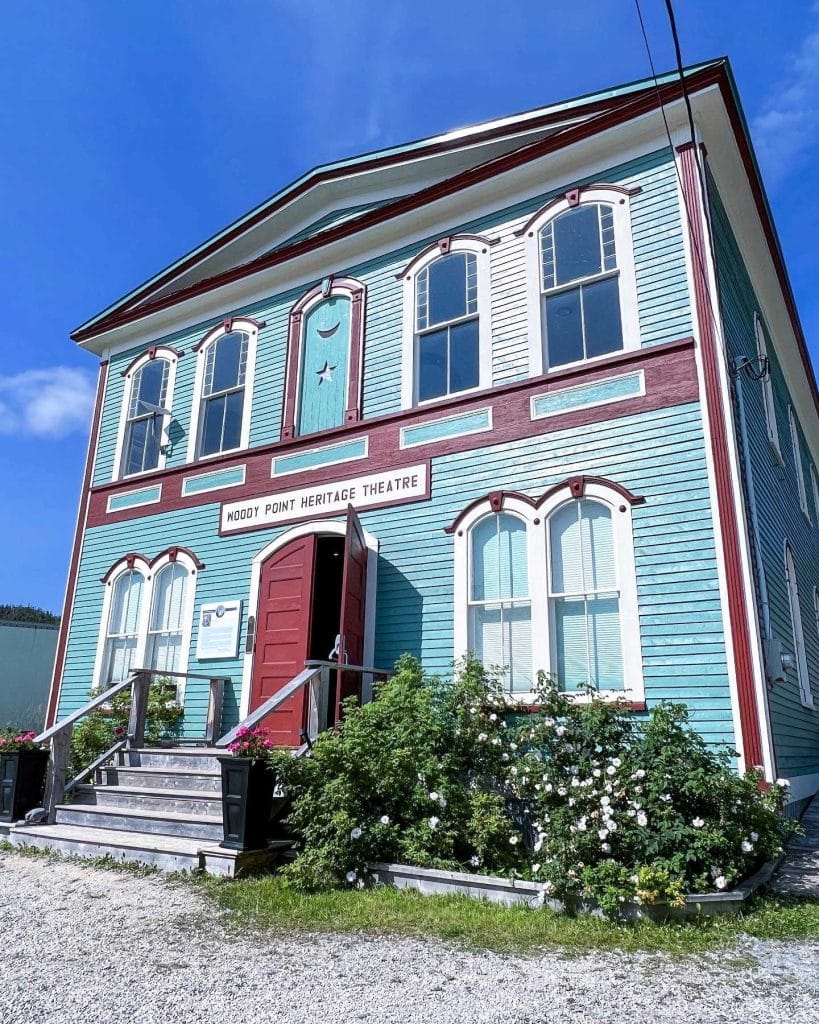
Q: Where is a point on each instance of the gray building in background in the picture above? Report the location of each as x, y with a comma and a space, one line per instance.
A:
26, 659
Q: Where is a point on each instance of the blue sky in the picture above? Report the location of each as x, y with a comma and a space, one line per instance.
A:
129, 132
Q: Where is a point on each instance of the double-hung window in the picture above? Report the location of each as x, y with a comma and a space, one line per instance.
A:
583, 296
447, 330
147, 616
224, 386
800, 657
142, 439
767, 385
500, 613
551, 585
798, 466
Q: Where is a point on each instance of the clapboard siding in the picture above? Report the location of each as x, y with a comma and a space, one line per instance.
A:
795, 728
658, 455
664, 313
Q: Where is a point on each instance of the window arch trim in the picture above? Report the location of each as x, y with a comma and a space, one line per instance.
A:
172, 357
356, 292
238, 324
536, 514
619, 198
479, 246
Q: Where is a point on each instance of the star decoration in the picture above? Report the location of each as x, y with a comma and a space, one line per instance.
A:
325, 373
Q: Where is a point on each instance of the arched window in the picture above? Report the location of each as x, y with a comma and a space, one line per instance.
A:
550, 585
580, 255
447, 330
147, 615
124, 625
145, 415
767, 384
500, 612
798, 465
166, 626
584, 597
224, 384
802, 677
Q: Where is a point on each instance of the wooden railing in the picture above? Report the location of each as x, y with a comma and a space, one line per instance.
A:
315, 678
139, 682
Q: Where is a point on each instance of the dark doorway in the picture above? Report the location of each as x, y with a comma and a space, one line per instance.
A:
326, 611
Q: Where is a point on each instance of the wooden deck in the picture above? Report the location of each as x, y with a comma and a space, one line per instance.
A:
799, 873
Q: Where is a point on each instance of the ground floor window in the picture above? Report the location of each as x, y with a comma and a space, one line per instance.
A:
551, 585
147, 616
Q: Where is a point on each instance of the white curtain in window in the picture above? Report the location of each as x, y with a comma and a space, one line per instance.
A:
123, 625
500, 609
166, 621
585, 598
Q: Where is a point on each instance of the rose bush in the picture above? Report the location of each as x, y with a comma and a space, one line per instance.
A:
585, 796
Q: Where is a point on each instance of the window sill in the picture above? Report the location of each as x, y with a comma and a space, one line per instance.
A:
525, 701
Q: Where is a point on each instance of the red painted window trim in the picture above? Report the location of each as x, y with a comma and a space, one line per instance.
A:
357, 293
720, 440
146, 564
74, 564
574, 197
443, 245
154, 352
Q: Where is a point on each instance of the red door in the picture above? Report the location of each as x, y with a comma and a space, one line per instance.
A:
353, 599
283, 635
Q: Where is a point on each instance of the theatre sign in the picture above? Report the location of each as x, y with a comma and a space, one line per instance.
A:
392, 487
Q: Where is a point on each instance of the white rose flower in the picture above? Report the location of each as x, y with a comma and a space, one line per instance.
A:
513, 746
746, 846
642, 820
442, 801
535, 868
482, 737
385, 819
538, 846
616, 762
475, 861
582, 825
548, 788
548, 888
754, 837
596, 773
504, 757
433, 822
721, 882
561, 730
605, 847
605, 801
640, 773
783, 783
561, 791
493, 717
611, 770
603, 833
698, 823
351, 876
513, 770
631, 812
433, 795
513, 840
612, 825
355, 833
665, 797
496, 742
473, 711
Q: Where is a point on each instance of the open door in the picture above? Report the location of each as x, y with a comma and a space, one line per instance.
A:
283, 634
353, 601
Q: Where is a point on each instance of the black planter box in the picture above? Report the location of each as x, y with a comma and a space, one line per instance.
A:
247, 798
22, 782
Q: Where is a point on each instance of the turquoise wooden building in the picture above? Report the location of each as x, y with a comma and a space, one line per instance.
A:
535, 388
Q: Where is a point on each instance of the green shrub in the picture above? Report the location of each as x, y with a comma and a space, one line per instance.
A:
580, 795
101, 728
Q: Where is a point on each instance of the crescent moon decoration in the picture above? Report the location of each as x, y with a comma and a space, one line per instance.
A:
329, 332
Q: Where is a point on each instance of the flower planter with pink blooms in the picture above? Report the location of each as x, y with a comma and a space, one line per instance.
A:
247, 791
23, 767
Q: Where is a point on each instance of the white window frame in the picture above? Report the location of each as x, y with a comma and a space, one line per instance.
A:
797, 630
798, 465
149, 572
814, 488
620, 202
536, 517
237, 325
768, 402
409, 355
168, 356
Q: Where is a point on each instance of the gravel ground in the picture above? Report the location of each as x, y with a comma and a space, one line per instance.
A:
89, 946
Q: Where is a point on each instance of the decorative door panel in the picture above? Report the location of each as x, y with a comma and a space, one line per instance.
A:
325, 366
283, 634
353, 600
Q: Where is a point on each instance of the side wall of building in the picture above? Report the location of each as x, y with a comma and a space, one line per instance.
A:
772, 477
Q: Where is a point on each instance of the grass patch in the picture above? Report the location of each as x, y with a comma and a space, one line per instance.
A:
269, 903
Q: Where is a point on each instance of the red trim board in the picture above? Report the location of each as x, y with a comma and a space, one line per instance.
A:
724, 483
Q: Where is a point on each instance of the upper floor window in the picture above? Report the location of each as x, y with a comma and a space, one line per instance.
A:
798, 466
447, 333
583, 301
224, 386
767, 385
142, 439
551, 585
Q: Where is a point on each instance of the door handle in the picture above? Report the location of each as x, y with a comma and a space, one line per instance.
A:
250, 639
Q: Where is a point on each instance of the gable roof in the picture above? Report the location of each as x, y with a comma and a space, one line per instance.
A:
316, 209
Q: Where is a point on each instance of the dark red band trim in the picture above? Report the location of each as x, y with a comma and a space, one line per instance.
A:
153, 352
724, 482
670, 379
79, 532
131, 560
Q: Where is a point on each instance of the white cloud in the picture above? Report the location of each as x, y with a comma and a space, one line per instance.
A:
787, 126
52, 402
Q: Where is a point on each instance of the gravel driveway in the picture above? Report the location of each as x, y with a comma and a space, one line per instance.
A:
87, 946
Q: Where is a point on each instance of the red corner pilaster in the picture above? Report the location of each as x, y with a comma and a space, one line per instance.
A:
741, 640
74, 564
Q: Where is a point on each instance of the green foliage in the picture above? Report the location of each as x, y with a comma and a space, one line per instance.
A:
27, 613
99, 730
579, 795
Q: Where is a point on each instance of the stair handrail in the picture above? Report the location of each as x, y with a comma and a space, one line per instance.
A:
304, 678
